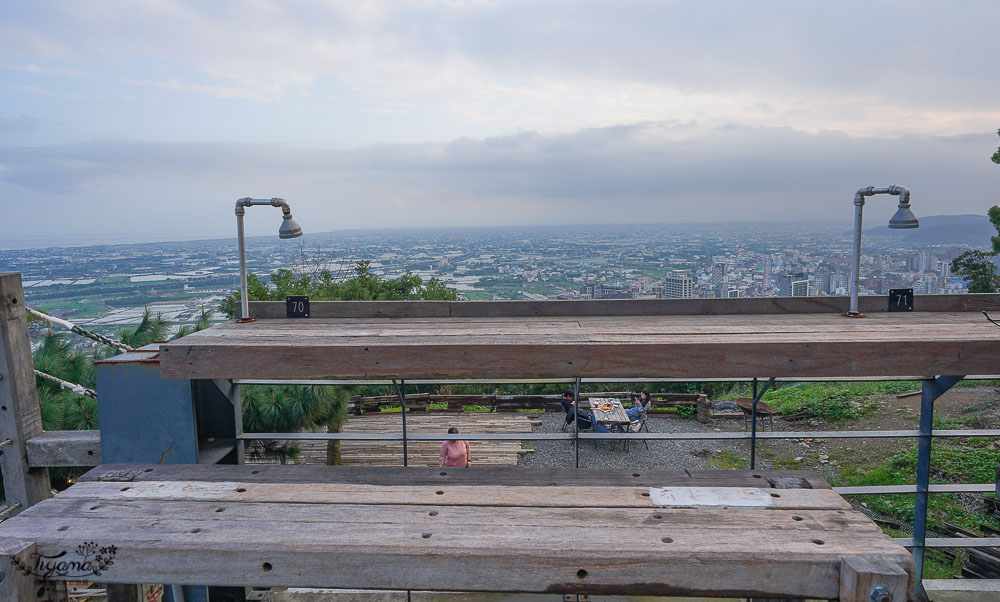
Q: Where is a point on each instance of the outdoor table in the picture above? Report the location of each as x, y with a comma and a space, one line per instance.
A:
735, 533
614, 416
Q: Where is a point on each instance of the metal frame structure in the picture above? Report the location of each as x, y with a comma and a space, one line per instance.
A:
931, 389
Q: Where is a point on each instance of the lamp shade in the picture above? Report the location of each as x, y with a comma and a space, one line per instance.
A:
904, 218
289, 228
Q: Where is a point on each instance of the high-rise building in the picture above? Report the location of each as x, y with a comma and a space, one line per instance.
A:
793, 285
678, 285
720, 272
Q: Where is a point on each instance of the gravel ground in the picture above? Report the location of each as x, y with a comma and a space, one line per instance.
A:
661, 454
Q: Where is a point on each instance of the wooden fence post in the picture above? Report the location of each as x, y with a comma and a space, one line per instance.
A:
20, 416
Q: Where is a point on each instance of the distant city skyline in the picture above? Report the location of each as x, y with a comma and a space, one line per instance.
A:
463, 113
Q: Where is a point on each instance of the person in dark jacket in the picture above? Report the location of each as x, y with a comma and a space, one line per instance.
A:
568, 403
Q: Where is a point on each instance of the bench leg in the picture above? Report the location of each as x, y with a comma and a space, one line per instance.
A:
864, 579
16, 586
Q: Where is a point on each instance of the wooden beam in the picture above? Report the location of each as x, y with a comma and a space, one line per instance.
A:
803, 345
64, 448
962, 590
20, 416
553, 539
861, 576
619, 307
493, 476
17, 585
450, 495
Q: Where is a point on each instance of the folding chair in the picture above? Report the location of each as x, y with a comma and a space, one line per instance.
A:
637, 426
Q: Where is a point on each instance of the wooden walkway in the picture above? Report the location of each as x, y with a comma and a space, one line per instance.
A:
714, 533
424, 453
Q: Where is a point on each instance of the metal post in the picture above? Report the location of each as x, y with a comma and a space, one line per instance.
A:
923, 480
753, 419
576, 423
932, 389
401, 394
859, 206
244, 298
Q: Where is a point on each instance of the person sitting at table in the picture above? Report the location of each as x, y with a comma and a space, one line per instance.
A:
455, 452
584, 420
640, 406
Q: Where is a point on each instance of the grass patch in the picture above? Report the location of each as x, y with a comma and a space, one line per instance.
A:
478, 408
727, 459
833, 402
972, 460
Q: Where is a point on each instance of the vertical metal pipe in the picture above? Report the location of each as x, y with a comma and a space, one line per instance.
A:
757, 395
753, 428
928, 394
401, 394
576, 423
859, 205
244, 301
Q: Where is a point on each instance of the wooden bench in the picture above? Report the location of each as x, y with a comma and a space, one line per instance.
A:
676, 532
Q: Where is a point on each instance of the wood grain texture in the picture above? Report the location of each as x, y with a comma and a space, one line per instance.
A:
64, 448
442, 495
16, 585
20, 417
279, 529
493, 476
860, 575
619, 307
802, 345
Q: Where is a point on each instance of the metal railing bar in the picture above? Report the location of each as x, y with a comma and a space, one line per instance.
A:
319, 436
933, 488
690, 436
566, 381
416, 381
952, 542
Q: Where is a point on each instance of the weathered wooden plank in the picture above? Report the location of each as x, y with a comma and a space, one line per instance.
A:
666, 346
447, 495
20, 417
493, 476
206, 513
15, 586
590, 559
962, 590
608, 360
860, 576
64, 448
619, 307
19, 585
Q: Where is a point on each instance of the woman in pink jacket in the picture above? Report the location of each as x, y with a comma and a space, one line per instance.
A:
455, 452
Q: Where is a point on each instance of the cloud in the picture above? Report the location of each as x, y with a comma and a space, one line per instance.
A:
481, 68
18, 125
644, 172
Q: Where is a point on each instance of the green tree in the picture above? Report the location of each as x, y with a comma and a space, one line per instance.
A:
62, 409
976, 266
363, 285
275, 409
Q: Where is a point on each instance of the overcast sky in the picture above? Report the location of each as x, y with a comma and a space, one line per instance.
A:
150, 118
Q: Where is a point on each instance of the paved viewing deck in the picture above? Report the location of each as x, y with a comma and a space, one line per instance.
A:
722, 345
